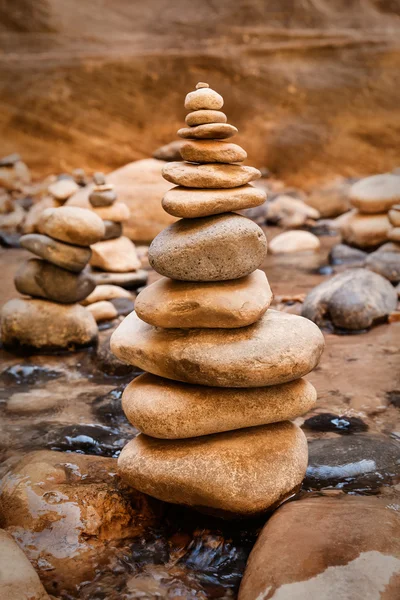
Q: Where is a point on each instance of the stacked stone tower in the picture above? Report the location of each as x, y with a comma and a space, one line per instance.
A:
224, 372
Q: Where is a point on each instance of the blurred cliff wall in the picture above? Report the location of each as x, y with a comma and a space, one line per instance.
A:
312, 85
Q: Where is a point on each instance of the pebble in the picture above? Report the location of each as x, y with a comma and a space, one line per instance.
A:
129, 281
192, 203
204, 151
106, 292
117, 212
199, 472
394, 234
353, 300
210, 131
294, 241
100, 197
278, 348
375, 194
177, 304
394, 215
118, 255
67, 256
202, 117
215, 248
103, 311
112, 230
209, 176
203, 99
171, 410
29, 323
343, 254
62, 189
42, 279
71, 224
364, 231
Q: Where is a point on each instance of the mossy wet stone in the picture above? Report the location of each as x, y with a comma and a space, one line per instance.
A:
191, 203
278, 348
71, 224
42, 325
244, 472
211, 175
67, 256
167, 409
204, 151
210, 131
215, 248
179, 304
42, 279
202, 117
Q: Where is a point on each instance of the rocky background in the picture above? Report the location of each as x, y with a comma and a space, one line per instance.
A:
313, 85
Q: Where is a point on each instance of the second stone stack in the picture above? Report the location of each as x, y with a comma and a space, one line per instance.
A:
224, 371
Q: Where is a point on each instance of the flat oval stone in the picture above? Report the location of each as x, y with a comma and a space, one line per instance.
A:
242, 472
71, 224
112, 230
375, 194
204, 151
280, 347
103, 311
209, 176
394, 215
236, 303
216, 248
117, 212
192, 203
168, 409
62, 189
42, 279
203, 98
67, 256
202, 117
117, 255
106, 292
210, 131
99, 198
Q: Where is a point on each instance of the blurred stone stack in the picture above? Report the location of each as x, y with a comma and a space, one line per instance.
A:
55, 283
224, 372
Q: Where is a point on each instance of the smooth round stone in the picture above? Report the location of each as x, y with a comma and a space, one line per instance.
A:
216, 248
203, 99
106, 292
118, 255
204, 151
242, 472
43, 325
209, 176
62, 189
171, 410
99, 198
210, 131
192, 203
394, 234
103, 311
117, 212
394, 215
178, 304
375, 194
294, 241
71, 224
42, 279
280, 347
112, 230
364, 231
202, 117
67, 256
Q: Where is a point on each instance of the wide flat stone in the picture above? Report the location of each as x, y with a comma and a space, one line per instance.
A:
204, 99
193, 203
280, 347
204, 151
215, 248
209, 175
375, 194
201, 117
42, 279
243, 472
117, 212
129, 281
167, 409
118, 255
67, 256
29, 323
210, 131
236, 303
71, 224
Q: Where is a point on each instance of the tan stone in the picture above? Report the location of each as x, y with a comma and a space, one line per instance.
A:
375, 194
394, 234
203, 99
106, 292
30, 224
394, 216
103, 311
294, 241
241, 472
117, 212
344, 547
364, 230
332, 199
215, 248
46, 325
72, 225
118, 255
209, 175
70, 257
192, 203
167, 409
62, 189
278, 348
290, 212
210, 131
201, 117
18, 579
204, 151
168, 303
130, 281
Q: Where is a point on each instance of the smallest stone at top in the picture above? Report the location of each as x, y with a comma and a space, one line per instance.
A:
99, 178
203, 98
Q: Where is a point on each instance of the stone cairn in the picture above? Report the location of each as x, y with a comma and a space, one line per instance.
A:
224, 372
51, 318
